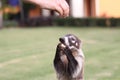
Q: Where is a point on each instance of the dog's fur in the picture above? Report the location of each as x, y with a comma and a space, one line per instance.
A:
69, 59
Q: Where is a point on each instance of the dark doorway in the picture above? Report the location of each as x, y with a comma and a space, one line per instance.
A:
90, 8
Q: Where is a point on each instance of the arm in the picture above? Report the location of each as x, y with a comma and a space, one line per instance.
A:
58, 64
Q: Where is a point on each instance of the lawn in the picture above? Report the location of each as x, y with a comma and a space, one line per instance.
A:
28, 53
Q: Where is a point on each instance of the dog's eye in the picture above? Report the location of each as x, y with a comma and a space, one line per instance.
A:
73, 39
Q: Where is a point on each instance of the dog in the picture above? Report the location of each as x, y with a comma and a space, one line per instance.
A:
69, 58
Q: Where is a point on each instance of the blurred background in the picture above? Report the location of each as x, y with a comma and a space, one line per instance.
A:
92, 13
29, 35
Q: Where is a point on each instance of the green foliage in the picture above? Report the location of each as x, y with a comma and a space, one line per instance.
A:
27, 54
109, 22
26, 7
4, 1
11, 23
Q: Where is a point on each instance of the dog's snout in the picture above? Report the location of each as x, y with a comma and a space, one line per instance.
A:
61, 40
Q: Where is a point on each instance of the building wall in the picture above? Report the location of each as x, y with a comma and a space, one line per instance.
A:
77, 8
84, 8
109, 8
95, 8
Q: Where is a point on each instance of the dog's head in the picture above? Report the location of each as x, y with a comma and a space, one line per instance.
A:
70, 41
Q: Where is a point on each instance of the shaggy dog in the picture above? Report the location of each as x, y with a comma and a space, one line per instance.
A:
69, 58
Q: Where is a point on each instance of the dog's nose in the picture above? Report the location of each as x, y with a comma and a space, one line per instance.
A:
61, 40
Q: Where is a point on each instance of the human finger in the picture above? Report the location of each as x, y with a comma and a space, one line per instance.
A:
59, 10
65, 7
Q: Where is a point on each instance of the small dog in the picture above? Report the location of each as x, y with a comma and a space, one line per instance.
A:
69, 58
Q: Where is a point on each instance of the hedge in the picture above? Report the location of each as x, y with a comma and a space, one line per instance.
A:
109, 22
80, 22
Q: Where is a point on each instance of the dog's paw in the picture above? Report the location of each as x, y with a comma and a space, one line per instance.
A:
63, 46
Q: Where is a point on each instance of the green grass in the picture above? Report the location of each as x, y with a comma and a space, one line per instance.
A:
27, 54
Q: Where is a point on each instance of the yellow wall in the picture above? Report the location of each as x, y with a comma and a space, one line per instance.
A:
109, 8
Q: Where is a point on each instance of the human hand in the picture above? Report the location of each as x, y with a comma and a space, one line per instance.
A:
61, 6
